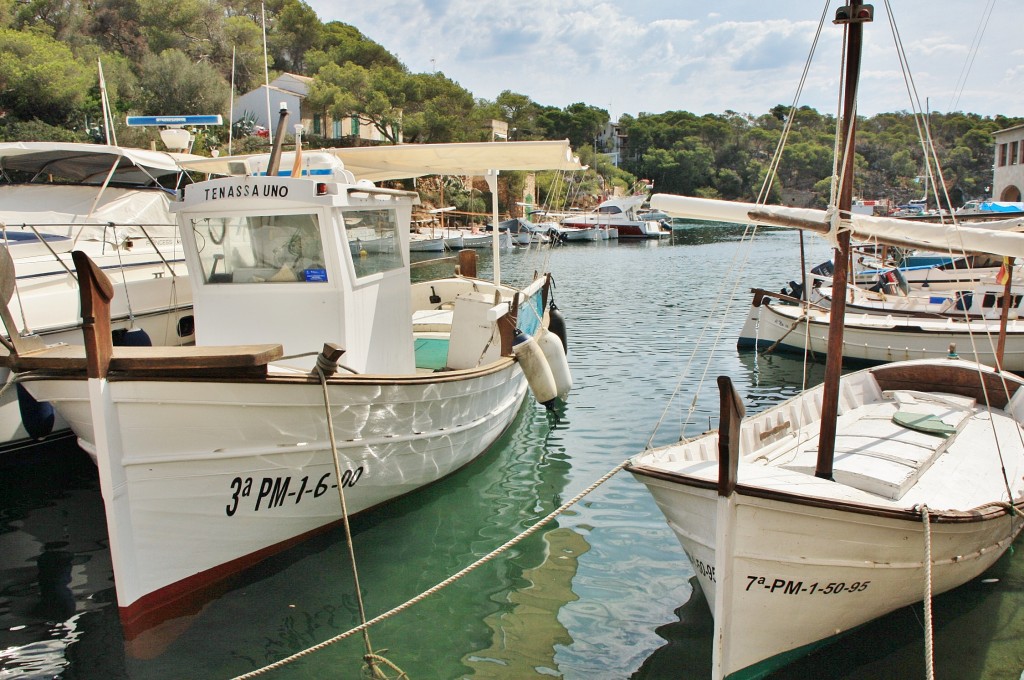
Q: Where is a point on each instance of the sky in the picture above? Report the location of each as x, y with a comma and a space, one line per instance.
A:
652, 56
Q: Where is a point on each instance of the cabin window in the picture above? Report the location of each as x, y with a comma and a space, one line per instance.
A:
373, 241
263, 249
992, 300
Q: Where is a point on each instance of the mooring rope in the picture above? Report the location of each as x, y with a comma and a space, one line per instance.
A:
802, 317
370, 656
443, 584
929, 651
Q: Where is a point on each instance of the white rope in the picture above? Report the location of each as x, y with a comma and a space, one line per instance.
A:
929, 644
17, 291
344, 510
961, 83
735, 265
443, 584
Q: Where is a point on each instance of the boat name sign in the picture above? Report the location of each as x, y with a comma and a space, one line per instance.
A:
273, 491
245, 191
790, 587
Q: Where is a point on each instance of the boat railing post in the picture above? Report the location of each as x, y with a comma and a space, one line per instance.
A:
467, 263
731, 412
274, 163
96, 292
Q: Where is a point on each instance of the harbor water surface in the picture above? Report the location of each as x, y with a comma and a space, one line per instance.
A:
603, 591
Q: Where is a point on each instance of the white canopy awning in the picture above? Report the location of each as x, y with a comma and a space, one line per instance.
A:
955, 238
403, 161
90, 163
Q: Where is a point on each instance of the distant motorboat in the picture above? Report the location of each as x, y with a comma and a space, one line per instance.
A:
622, 214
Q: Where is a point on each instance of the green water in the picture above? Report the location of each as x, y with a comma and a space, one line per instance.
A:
603, 592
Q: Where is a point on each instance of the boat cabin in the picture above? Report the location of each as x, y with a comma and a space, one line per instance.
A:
271, 262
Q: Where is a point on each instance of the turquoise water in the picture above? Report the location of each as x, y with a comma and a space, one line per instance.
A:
602, 592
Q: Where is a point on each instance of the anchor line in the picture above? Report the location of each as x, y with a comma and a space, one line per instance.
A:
534, 528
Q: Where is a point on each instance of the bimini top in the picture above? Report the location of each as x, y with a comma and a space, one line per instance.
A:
87, 164
403, 161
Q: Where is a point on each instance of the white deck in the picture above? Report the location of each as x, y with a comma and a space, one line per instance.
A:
878, 462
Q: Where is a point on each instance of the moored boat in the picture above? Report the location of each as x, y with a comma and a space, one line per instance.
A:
621, 214
854, 498
113, 203
316, 372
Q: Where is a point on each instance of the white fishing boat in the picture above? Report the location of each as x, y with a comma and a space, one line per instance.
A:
522, 232
874, 337
851, 499
108, 201
567, 234
815, 557
213, 457
475, 239
424, 243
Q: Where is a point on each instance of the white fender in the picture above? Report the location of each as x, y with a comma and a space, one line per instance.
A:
551, 345
535, 366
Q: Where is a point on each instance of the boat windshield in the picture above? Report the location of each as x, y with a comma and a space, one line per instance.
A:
259, 249
373, 241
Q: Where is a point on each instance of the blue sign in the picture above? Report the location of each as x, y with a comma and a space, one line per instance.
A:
316, 275
135, 121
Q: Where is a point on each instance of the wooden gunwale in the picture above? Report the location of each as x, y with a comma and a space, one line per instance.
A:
236, 375
852, 323
989, 511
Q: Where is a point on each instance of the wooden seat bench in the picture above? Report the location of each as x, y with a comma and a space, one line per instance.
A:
235, 359
98, 357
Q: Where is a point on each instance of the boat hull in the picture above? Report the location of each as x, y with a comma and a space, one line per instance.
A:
875, 338
184, 510
146, 299
788, 559
822, 571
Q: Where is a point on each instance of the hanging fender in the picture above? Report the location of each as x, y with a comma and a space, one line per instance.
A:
37, 416
556, 324
538, 374
131, 337
554, 353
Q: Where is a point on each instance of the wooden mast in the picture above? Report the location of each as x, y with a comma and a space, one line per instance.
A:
1004, 313
853, 16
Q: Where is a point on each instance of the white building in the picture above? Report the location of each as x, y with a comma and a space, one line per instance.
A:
1008, 174
291, 90
611, 142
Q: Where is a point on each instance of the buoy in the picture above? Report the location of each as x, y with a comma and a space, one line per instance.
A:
554, 353
535, 367
131, 337
36, 416
556, 324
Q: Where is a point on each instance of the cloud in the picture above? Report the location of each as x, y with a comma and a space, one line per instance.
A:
658, 55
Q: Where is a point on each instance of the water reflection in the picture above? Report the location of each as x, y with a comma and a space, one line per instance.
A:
526, 636
56, 572
687, 649
306, 595
604, 592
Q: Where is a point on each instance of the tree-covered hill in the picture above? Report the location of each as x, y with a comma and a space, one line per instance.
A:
182, 58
